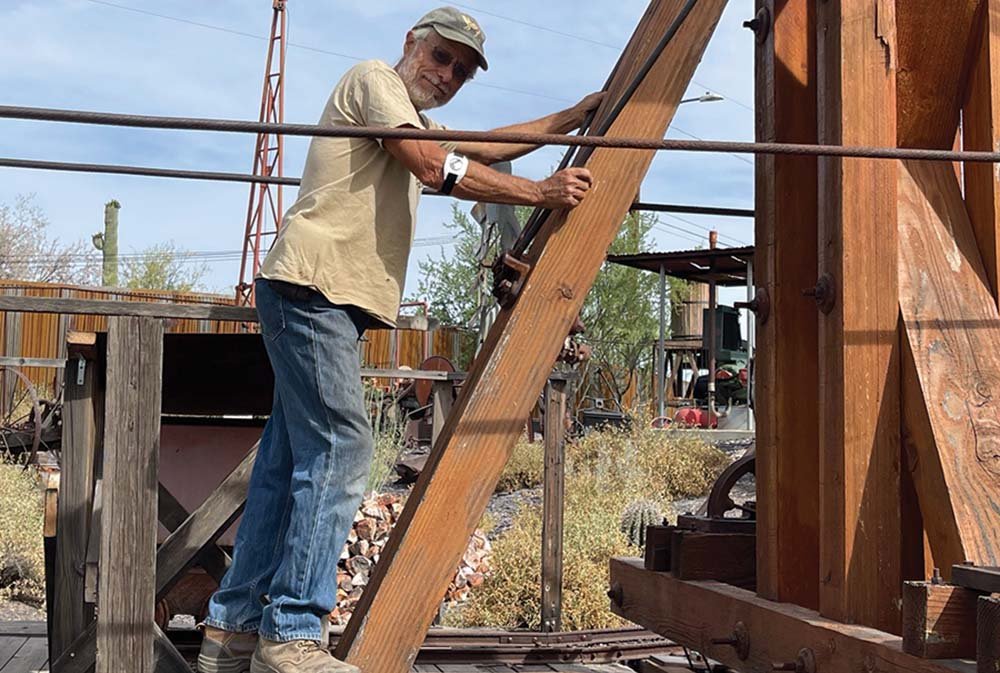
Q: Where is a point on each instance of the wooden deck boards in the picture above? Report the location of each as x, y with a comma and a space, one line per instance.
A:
24, 649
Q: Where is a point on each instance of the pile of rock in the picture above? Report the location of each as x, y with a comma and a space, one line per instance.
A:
368, 537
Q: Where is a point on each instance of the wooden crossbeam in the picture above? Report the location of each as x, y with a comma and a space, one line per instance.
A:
785, 262
694, 614
951, 368
398, 605
860, 577
981, 131
939, 621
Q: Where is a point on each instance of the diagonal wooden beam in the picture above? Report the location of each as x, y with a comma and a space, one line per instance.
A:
860, 576
785, 262
981, 131
935, 47
951, 368
398, 605
172, 515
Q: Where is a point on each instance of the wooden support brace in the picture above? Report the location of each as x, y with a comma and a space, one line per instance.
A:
125, 630
694, 614
951, 363
939, 621
859, 495
172, 515
785, 262
80, 429
392, 618
723, 557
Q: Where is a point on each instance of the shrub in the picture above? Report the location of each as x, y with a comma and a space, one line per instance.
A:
605, 471
22, 555
525, 469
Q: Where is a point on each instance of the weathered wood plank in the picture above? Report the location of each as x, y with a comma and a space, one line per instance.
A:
219, 312
933, 54
172, 515
79, 449
131, 456
981, 131
385, 633
694, 613
30, 657
723, 557
860, 578
552, 505
785, 262
953, 344
9, 645
988, 640
939, 621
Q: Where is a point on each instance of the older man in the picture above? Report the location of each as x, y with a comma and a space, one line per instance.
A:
338, 267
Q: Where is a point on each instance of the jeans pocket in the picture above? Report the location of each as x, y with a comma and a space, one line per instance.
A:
270, 310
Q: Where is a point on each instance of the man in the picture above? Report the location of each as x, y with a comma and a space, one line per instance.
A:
337, 267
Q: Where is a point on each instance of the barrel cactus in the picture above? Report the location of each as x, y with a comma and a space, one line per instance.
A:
636, 517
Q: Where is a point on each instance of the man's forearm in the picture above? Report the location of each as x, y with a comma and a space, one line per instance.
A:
491, 153
482, 183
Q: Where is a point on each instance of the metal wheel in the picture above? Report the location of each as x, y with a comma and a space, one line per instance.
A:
24, 416
719, 500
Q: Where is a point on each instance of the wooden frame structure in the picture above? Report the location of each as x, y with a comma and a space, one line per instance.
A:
880, 461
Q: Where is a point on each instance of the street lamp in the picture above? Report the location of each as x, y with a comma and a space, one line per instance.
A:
708, 97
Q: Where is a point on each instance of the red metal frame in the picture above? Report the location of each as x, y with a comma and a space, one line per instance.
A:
264, 209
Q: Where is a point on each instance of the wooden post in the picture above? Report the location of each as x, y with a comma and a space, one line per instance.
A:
939, 621
79, 448
785, 263
981, 125
125, 632
392, 619
443, 395
860, 579
552, 504
988, 639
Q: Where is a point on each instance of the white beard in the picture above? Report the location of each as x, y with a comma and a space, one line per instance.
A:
422, 94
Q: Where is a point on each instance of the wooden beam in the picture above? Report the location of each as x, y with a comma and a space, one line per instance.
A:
981, 125
391, 620
220, 312
172, 515
693, 614
934, 49
988, 639
131, 455
939, 621
80, 439
860, 576
723, 557
552, 505
952, 358
785, 262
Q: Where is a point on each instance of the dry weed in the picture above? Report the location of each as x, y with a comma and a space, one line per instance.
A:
22, 556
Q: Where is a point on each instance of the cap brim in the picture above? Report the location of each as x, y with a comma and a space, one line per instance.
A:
460, 37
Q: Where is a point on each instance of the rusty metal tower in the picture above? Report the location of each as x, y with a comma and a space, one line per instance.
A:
265, 207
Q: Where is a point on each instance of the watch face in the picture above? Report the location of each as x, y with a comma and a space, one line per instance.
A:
455, 164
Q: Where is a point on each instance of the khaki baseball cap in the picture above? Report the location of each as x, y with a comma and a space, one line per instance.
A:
457, 26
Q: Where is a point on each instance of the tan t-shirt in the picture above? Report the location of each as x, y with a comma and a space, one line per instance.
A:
350, 231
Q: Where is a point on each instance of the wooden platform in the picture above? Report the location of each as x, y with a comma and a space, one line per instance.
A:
24, 649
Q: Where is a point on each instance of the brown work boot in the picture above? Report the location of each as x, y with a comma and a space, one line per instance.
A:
225, 652
296, 656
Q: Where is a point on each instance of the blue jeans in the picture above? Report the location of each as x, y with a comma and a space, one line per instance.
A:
309, 476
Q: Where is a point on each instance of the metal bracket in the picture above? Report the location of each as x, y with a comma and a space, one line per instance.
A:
760, 305
825, 293
509, 273
760, 24
81, 369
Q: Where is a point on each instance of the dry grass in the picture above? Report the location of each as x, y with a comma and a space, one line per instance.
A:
22, 556
605, 471
525, 469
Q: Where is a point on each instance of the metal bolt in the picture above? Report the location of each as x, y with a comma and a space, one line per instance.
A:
936, 577
760, 24
616, 594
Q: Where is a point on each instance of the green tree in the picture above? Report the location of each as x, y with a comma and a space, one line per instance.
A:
620, 312
29, 252
163, 266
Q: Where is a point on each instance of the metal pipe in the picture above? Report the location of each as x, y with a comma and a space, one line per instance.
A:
660, 352
751, 343
713, 241
505, 137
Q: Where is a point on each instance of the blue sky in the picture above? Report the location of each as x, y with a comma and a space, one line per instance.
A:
113, 55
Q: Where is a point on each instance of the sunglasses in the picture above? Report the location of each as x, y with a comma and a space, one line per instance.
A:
443, 58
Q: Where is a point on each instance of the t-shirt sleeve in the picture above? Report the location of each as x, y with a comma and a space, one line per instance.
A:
377, 97
448, 145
